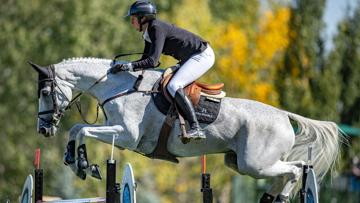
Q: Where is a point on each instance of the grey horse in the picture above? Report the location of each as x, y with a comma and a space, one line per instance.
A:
258, 140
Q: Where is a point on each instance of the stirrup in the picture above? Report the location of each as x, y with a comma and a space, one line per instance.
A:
196, 134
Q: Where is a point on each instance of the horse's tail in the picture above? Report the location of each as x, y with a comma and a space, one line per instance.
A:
325, 138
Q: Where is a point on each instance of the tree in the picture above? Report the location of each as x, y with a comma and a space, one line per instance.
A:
45, 32
248, 61
345, 60
303, 58
348, 44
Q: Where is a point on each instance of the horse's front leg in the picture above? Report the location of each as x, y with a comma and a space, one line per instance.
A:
70, 152
103, 133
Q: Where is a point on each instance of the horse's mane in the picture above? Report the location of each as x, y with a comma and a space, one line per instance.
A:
84, 60
94, 60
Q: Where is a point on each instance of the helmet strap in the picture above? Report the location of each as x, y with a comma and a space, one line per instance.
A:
139, 18
142, 22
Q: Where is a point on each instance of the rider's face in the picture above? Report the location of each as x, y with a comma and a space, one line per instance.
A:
135, 23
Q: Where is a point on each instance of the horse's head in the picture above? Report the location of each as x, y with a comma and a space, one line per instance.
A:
53, 100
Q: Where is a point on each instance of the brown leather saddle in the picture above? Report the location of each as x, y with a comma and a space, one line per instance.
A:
195, 91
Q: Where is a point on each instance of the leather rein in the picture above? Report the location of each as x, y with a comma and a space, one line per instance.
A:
59, 113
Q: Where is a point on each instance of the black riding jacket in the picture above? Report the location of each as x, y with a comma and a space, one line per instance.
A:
169, 40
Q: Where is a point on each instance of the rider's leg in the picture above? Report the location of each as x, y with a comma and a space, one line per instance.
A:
191, 70
186, 107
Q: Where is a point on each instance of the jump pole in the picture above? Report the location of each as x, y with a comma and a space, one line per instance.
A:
112, 188
39, 177
309, 190
205, 182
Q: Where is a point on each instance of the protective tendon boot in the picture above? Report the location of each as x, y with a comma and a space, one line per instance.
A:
69, 157
267, 198
82, 157
185, 105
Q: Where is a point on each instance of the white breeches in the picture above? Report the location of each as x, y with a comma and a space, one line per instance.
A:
191, 70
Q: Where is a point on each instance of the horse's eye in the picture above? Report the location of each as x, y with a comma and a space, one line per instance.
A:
45, 91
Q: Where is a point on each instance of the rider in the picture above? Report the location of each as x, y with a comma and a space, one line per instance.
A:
194, 54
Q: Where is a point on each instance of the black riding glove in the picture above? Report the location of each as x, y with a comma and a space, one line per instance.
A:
117, 67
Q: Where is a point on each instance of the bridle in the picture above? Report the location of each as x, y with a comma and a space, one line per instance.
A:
58, 113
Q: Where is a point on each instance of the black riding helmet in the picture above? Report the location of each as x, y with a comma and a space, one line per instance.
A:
142, 8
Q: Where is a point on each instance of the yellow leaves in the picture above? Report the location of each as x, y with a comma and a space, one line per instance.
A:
247, 59
264, 92
194, 16
273, 36
236, 41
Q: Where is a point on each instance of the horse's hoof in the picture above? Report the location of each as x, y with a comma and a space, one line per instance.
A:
95, 171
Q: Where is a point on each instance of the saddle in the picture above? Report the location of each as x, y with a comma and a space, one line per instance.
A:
194, 90
206, 100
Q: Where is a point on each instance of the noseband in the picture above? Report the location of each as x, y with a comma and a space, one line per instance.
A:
56, 111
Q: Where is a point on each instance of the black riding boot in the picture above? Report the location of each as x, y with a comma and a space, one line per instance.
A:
185, 105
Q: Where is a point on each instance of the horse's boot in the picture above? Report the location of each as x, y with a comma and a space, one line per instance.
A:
186, 107
81, 174
69, 157
282, 199
82, 157
95, 171
267, 198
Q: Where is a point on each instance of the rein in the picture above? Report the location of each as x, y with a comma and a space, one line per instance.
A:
58, 113
133, 90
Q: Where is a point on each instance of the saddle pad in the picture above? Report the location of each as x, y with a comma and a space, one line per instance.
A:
206, 111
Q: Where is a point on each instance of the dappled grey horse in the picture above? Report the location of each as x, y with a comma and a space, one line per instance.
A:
258, 140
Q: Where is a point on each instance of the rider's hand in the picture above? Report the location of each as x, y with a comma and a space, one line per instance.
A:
117, 67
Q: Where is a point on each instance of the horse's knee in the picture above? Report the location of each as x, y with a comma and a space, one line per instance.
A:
75, 129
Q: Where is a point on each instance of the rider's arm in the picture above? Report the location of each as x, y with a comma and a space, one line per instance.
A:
146, 50
155, 48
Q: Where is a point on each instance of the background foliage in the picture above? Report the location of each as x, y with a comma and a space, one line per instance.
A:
273, 54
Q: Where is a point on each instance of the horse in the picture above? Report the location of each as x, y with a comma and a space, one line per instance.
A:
257, 139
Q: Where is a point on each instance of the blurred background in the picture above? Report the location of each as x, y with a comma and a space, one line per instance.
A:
301, 55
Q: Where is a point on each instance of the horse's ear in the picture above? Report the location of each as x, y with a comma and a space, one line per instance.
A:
39, 69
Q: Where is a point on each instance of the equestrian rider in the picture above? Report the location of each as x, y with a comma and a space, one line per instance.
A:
194, 54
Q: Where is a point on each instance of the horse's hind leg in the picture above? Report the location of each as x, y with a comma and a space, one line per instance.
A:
291, 182
275, 189
283, 185
286, 176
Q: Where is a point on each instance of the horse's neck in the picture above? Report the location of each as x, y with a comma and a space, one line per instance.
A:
81, 74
